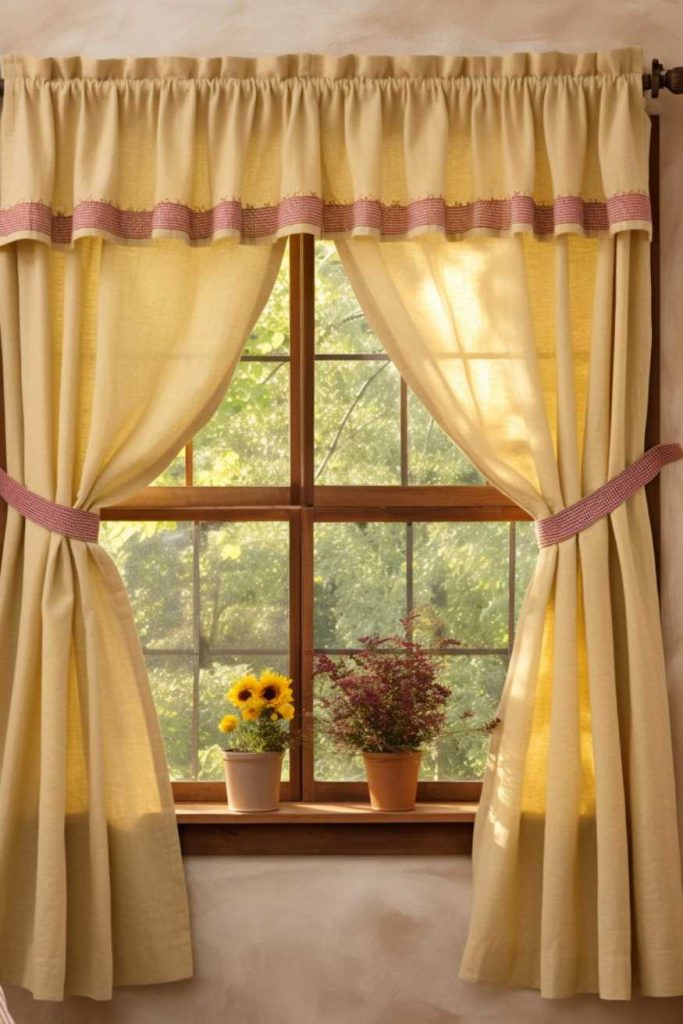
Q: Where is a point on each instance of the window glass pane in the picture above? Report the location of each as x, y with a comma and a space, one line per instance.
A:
155, 561
245, 586
270, 334
174, 474
357, 398
330, 764
171, 678
246, 441
460, 753
432, 457
359, 581
340, 323
214, 598
357, 425
458, 576
461, 574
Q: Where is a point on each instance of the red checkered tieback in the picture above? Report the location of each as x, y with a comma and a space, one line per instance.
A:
583, 513
70, 522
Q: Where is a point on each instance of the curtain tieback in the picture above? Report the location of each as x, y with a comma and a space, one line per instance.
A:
605, 499
70, 522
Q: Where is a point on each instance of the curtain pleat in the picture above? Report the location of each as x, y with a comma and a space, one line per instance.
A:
534, 358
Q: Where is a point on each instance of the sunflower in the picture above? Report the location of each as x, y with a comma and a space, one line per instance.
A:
228, 723
243, 692
274, 689
250, 714
287, 711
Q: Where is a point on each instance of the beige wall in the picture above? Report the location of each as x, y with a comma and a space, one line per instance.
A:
373, 940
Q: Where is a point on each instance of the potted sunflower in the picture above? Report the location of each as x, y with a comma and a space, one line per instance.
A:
259, 736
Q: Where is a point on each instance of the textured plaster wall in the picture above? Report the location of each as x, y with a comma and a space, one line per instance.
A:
374, 940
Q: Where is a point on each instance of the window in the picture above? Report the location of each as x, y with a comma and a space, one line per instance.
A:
320, 503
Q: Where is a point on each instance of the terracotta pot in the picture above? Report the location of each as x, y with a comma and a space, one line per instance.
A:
252, 780
392, 780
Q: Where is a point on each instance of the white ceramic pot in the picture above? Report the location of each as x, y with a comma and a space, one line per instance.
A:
252, 780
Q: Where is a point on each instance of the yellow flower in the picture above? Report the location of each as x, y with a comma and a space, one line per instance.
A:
287, 711
243, 692
229, 723
274, 689
250, 714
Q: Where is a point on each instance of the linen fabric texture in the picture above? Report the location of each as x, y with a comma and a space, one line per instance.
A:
112, 358
260, 148
532, 355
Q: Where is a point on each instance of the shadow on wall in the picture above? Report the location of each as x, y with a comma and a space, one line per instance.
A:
333, 940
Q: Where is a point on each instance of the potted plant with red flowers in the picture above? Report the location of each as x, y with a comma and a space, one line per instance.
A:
387, 703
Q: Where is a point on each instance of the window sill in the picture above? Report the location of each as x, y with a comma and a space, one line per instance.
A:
326, 828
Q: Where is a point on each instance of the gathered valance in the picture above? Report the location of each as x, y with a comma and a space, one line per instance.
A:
255, 149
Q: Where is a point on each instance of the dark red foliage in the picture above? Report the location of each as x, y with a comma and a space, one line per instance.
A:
387, 697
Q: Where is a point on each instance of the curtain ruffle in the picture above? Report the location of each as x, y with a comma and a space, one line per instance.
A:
255, 149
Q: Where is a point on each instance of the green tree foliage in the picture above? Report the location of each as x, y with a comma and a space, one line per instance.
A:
207, 596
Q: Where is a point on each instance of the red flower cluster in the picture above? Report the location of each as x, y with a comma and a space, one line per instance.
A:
386, 698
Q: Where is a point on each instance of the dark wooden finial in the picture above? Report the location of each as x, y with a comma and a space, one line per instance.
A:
661, 79
673, 80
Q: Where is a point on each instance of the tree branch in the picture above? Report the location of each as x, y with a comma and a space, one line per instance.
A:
347, 416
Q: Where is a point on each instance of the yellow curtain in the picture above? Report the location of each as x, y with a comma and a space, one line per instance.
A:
534, 358
112, 358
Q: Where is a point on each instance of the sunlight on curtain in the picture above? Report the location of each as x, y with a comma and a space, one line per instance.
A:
534, 358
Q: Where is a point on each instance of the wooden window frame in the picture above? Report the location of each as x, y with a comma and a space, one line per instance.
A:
320, 817
302, 505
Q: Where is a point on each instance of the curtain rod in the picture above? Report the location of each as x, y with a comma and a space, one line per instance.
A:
653, 83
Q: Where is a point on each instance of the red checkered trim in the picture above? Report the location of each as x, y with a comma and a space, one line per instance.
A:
70, 522
604, 500
230, 217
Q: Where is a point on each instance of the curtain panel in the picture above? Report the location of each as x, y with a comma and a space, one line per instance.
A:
112, 358
382, 146
534, 359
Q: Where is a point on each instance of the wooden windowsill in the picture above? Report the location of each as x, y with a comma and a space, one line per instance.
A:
322, 814
326, 828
